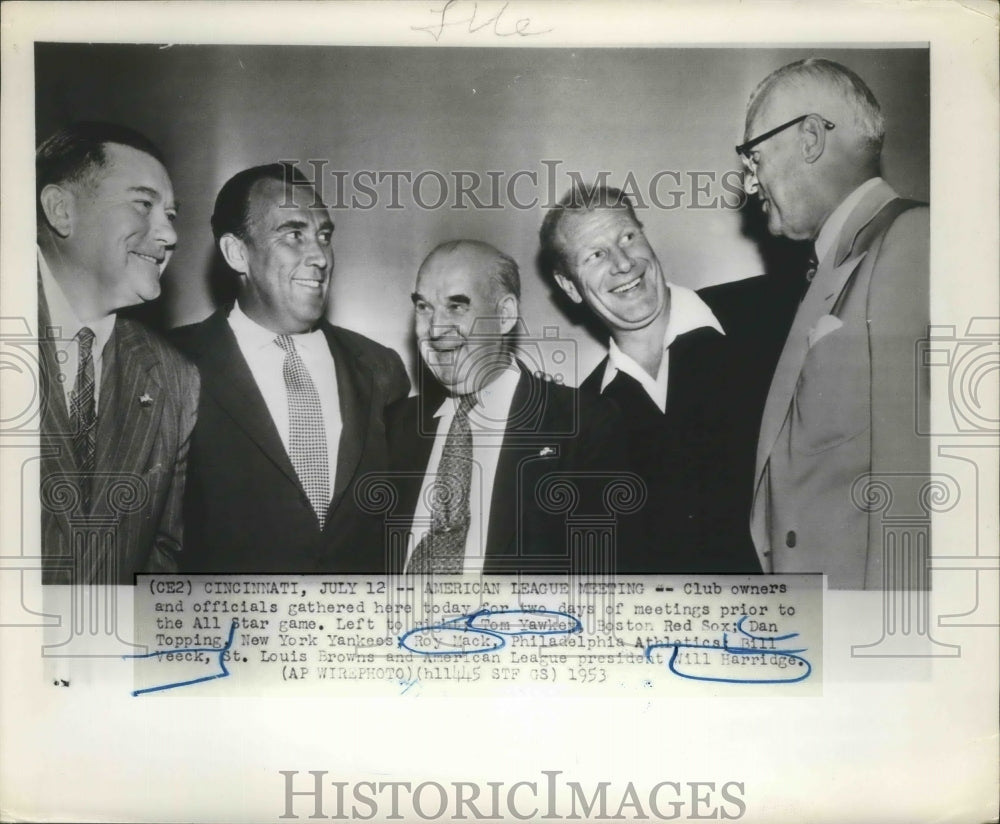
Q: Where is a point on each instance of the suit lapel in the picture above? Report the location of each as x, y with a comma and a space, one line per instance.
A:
55, 415
354, 390
56, 443
131, 401
410, 453
504, 504
829, 284
229, 380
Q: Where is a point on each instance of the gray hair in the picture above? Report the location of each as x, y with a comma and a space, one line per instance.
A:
868, 121
505, 277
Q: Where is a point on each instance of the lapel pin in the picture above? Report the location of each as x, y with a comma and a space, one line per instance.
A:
546, 451
145, 399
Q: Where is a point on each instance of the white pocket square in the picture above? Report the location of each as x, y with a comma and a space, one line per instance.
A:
824, 326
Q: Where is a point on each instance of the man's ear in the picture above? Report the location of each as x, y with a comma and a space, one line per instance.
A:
509, 310
568, 287
813, 138
59, 207
234, 251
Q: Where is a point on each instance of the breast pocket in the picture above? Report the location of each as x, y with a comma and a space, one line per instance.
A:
832, 397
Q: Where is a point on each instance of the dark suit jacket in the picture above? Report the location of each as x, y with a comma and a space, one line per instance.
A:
554, 433
146, 411
245, 508
697, 459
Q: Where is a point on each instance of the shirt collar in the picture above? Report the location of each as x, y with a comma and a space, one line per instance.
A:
492, 401
253, 336
62, 316
687, 313
827, 237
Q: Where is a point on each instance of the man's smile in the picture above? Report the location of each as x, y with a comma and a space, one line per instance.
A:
628, 286
155, 260
308, 283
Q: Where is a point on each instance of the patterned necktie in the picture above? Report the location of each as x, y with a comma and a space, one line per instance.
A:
442, 549
306, 432
83, 414
811, 266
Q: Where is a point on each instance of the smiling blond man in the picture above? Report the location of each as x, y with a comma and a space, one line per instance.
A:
691, 398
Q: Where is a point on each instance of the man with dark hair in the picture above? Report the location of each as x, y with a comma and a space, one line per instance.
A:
473, 467
292, 410
118, 404
690, 397
841, 409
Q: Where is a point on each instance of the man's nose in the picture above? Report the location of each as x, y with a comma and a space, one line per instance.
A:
440, 325
318, 255
164, 231
750, 183
620, 260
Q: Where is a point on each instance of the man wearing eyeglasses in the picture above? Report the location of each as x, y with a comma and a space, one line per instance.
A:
841, 407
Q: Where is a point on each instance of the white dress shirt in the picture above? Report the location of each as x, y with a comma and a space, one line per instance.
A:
266, 361
488, 422
687, 313
66, 325
827, 237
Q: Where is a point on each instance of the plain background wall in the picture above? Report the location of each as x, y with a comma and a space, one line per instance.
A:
218, 109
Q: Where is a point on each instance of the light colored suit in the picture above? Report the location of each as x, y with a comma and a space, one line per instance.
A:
148, 402
843, 401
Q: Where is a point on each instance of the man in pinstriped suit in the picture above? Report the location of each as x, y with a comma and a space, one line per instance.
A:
117, 403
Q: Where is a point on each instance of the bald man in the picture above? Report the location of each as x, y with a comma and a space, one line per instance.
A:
841, 407
473, 452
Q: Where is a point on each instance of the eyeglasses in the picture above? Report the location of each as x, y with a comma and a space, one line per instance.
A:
744, 149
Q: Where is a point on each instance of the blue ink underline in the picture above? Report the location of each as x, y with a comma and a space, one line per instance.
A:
220, 651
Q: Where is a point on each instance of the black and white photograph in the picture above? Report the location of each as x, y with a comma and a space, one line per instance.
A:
499, 231
530, 394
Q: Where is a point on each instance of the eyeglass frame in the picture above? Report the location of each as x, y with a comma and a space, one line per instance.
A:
744, 149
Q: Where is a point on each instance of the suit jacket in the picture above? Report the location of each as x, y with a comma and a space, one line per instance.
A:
697, 457
554, 433
246, 510
841, 409
146, 411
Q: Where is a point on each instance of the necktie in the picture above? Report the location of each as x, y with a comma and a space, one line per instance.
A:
83, 414
306, 432
442, 549
811, 266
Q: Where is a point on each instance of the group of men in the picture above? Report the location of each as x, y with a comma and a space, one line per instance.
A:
723, 433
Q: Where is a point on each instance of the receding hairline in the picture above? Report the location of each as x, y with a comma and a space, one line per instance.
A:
843, 88
92, 173
559, 233
259, 200
494, 263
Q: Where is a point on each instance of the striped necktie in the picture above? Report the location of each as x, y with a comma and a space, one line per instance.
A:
306, 432
442, 549
83, 414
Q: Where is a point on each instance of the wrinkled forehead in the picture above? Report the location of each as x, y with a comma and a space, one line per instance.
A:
579, 229
464, 271
273, 202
